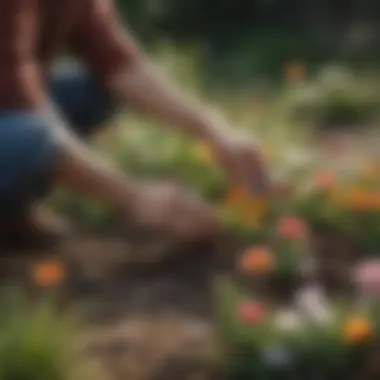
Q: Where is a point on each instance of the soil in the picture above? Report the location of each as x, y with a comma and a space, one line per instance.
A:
148, 305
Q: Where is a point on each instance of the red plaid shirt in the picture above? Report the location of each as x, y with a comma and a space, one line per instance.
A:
34, 32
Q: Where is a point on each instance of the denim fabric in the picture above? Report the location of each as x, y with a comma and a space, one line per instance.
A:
28, 146
83, 101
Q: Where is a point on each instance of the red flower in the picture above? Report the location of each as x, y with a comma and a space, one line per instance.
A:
292, 228
252, 313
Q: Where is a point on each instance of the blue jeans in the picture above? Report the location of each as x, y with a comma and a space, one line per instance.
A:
28, 147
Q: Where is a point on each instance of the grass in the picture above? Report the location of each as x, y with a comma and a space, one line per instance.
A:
35, 343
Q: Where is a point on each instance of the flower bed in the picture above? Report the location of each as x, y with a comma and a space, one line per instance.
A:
312, 233
315, 333
310, 338
281, 262
311, 335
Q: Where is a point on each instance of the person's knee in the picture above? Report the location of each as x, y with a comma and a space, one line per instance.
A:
28, 157
85, 103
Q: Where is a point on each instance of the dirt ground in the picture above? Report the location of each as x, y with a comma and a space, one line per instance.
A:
148, 305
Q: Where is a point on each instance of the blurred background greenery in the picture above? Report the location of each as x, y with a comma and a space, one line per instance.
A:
243, 40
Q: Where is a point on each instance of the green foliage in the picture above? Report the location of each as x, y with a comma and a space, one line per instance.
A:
351, 205
246, 39
335, 99
35, 343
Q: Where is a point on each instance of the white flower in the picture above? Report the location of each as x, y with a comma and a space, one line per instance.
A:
313, 303
288, 320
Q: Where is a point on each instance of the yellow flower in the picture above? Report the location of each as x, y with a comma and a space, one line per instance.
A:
204, 153
357, 330
254, 210
248, 208
48, 274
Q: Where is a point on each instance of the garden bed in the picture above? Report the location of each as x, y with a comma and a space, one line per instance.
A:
145, 317
149, 308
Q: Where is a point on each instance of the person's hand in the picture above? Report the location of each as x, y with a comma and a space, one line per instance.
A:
241, 159
167, 208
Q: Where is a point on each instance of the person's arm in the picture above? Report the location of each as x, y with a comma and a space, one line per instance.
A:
148, 90
82, 171
110, 51
162, 207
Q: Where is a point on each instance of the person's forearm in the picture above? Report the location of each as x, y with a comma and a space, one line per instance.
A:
80, 170
147, 90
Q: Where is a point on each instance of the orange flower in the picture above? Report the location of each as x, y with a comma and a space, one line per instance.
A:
363, 200
236, 195
257, 260
292, 228
252, 313
48, 273
249, 208
295, 72
357, 330
324, 181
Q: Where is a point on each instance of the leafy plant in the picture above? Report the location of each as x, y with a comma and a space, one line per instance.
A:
35, 343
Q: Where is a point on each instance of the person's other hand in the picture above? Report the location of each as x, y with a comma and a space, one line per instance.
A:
242, 161
167, 208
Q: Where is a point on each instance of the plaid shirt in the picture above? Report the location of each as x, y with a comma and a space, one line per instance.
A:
34, 32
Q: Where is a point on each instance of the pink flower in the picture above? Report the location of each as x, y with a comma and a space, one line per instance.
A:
324, 180
292, 228
252, 313
367, 276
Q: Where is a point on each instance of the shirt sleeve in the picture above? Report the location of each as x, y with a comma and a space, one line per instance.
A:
101, 39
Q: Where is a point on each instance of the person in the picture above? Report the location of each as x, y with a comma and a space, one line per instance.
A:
47, 112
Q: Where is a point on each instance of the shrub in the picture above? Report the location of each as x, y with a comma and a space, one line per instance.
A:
333, 100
